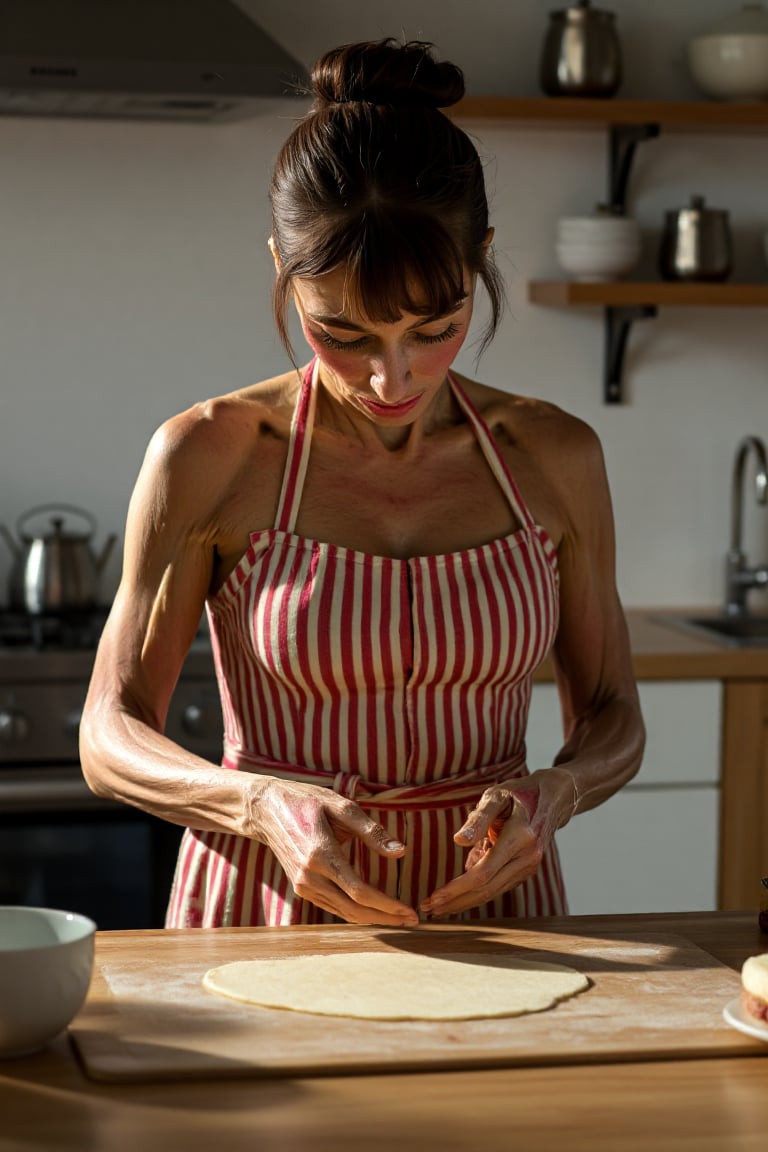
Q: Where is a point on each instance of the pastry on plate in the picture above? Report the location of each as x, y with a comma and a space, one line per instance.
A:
754, 987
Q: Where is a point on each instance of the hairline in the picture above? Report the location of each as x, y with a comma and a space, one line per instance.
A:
338, 320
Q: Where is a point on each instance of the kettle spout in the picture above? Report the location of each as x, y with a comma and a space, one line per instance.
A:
14, 547
105, 553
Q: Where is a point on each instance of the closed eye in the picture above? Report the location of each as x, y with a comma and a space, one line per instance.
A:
447, 334
340, 345
420, 338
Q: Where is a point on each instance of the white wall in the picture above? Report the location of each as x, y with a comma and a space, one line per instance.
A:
134, 280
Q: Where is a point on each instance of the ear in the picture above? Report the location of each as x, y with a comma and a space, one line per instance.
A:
489, 237
275, 254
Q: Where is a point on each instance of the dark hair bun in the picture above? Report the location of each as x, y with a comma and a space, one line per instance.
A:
386, 72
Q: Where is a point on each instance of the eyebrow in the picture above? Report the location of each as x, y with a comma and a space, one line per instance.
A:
339, 321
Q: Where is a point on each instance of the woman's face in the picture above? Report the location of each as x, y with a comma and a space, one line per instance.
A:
389, 372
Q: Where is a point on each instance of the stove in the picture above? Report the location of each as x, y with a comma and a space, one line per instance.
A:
45, 669
73, 630
59, 844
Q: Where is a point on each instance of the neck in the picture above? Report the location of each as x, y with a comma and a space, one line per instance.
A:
335, 414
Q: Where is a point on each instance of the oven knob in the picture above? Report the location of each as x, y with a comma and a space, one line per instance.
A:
72, 721
14, 726
193, 720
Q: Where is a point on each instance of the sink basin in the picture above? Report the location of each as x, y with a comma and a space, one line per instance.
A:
738, 631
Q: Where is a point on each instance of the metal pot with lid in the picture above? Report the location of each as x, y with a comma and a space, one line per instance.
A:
696, 243
581, 55
54, 569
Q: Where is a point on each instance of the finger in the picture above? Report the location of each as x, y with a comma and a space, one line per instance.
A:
495, 804
477, 853
495, 870
377, 838
329, 862
471, 890
352, 819
327, 896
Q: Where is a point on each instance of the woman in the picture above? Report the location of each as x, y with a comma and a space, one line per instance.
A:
386, 551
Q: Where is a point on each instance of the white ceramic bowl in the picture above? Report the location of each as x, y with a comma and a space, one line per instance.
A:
595, 261
598, 228
46, 961
730, 66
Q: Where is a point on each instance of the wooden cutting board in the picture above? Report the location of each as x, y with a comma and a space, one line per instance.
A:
650, 997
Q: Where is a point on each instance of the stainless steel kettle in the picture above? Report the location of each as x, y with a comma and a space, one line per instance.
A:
581, 55
55, 571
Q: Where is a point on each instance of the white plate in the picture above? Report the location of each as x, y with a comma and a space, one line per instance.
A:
734, 1014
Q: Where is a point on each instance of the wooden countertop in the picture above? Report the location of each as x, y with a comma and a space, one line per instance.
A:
663, 652
672, 1105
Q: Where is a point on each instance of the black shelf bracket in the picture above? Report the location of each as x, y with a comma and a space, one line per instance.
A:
622, 142
618, 321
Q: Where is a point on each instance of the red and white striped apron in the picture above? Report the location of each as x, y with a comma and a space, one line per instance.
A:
403, 684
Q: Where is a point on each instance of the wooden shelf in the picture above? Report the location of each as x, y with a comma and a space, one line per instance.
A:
624, 301
702, 115
627, 123
627, 293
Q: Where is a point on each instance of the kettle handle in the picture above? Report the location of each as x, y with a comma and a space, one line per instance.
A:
69, 509
15, 550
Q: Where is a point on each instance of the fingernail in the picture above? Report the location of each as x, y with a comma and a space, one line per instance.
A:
393, 845
469, 831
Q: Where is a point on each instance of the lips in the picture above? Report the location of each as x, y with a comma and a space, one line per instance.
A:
377, 408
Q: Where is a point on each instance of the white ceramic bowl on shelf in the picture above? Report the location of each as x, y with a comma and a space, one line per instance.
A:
597, 261
730, 62
599, 247
46, 962
730, 67
600, 229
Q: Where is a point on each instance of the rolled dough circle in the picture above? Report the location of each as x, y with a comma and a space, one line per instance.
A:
399, 985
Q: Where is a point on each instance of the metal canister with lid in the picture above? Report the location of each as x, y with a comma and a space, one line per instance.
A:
696, 243
581, 55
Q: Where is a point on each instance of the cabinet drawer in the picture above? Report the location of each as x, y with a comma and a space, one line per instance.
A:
683, 723
653, 850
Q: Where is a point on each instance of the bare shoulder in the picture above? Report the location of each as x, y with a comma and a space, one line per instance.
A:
226, 424
538, 429
202, 463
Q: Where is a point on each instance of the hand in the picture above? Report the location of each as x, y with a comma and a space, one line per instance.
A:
508, 833
305, 826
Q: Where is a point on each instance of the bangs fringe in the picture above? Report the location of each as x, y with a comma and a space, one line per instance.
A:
403, 263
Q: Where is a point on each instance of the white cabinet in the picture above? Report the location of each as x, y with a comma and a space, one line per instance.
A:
653, 847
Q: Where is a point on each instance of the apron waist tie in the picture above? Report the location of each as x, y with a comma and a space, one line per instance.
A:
437, 794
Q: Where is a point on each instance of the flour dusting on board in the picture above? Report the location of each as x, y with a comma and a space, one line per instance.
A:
654, 996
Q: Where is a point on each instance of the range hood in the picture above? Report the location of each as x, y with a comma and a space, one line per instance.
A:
138, 59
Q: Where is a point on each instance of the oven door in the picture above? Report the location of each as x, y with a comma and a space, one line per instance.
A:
63, 847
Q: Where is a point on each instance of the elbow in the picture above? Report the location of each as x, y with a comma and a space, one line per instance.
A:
636, 737
93, 754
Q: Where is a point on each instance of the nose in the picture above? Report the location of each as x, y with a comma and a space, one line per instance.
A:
390, 375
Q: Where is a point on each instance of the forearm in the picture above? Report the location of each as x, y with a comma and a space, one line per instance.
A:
513, 825
603, 752
125, 759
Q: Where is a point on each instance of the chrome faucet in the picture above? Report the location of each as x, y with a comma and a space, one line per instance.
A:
739, 578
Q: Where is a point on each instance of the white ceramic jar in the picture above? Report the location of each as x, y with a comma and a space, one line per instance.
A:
602, 246
730, 61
